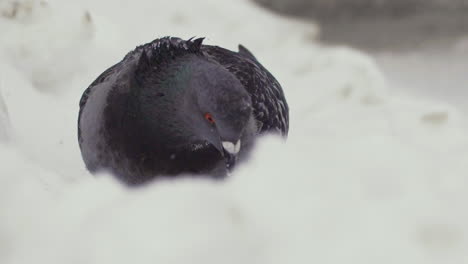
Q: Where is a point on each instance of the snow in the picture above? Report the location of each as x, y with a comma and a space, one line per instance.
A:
367, 175
446, 66
4, 121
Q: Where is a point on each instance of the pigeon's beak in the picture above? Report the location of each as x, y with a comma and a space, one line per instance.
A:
232, 148
230, 152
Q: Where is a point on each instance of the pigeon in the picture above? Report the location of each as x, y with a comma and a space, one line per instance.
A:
178, 107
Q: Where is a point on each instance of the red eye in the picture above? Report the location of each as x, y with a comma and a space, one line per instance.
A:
209, 118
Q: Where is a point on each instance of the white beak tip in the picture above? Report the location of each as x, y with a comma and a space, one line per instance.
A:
231, 148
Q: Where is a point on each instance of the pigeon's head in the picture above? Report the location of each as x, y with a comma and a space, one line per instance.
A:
219, 109
200, 105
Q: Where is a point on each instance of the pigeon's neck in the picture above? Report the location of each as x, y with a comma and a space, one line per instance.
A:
164, 102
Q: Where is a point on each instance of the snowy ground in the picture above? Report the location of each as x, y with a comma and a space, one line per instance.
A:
439, 72
369, 174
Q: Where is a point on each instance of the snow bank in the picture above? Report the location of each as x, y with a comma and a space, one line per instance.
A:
4, 120
365, 176
38, 33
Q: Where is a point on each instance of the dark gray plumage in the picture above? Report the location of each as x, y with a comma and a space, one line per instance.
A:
173, 106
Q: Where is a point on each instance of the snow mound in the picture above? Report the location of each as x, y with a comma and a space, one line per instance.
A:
38, 33
4, 120
365, 177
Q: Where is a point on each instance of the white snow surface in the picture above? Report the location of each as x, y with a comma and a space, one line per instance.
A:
366, 176
4, 121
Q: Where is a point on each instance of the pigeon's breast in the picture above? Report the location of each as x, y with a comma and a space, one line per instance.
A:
91, 123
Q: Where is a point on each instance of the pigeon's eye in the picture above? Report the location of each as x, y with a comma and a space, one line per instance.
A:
209, 118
